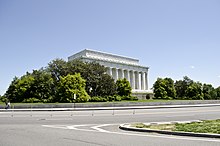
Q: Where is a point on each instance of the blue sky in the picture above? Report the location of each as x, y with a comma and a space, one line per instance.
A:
175, 38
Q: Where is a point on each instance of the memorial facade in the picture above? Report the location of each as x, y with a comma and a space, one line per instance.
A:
118, 67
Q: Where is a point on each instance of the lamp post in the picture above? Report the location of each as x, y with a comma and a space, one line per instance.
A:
113, 113
90, 90
74, 97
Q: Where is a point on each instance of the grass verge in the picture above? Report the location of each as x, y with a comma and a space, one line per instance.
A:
206, 126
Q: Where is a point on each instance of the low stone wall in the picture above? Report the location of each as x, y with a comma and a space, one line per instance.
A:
111, 104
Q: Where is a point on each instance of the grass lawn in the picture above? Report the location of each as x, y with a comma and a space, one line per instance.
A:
206, 126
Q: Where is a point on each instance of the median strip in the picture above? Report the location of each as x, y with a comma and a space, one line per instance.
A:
206, 128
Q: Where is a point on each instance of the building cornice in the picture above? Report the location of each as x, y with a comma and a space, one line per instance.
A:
98, 55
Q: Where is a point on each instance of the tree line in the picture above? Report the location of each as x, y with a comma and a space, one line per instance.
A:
165, 88
77, 81
72, 81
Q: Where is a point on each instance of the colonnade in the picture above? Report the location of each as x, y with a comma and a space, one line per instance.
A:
138, 79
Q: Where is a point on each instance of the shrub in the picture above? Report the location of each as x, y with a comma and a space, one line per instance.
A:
2, 99
31, 100
118, 98
132, 98
111, 98
97, 99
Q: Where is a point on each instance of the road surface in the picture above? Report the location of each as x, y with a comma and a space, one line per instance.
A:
98, 127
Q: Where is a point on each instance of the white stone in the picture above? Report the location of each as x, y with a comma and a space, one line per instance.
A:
118, 67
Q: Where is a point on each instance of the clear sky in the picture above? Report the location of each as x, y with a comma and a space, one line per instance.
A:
175, 38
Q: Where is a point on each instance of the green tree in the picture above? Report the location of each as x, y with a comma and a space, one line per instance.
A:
32, 87
20, 89
3, 99
209, 92
70, 85
217, 92
164, 89
97, 80
43, 86
123, 87
105, 86
11, 93
159, 89
94, 74
98, 83
194, 91
170, 89
77, 66
57, 68
181, 87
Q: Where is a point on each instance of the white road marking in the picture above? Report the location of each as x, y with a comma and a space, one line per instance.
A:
98, 129
56, 126
74, 128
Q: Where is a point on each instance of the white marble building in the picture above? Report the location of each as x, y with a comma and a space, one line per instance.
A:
118, 67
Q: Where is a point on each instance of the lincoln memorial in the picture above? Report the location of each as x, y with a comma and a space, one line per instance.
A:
119, 67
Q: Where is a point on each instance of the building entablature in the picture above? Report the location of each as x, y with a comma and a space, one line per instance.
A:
116, 65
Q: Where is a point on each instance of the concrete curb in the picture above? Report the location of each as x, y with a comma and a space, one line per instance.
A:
128, 127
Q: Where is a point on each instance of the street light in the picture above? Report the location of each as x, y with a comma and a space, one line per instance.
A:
74, 97
90, 91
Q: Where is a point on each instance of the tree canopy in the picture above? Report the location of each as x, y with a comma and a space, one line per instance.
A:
57, 83
32, 87
123, 87
184, 89
164, 89
71, 89
61, 81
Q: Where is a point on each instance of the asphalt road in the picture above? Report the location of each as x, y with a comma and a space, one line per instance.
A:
98, 127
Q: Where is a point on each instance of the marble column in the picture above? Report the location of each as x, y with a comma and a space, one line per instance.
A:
122, 74
116, 77
136, 80
146, 81
114, 74
129, 79
139, 74
126, 75
109, 71
132, 79
142, 81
